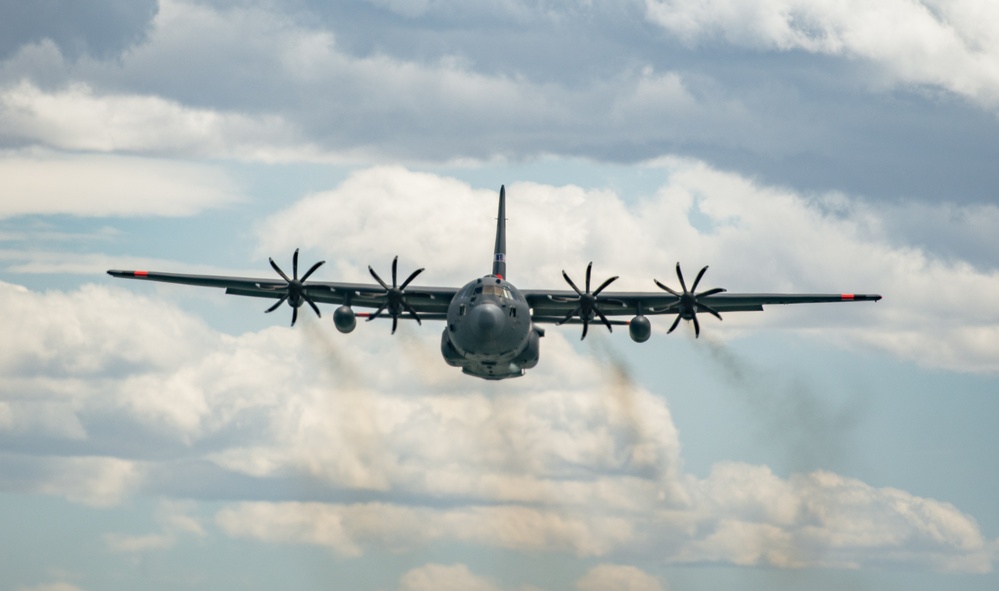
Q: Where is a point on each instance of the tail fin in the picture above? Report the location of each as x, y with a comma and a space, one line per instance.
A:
499, 256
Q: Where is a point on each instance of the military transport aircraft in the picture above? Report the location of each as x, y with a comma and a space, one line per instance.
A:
492, 329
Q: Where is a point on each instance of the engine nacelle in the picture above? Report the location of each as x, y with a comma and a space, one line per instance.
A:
640, 329
344, 319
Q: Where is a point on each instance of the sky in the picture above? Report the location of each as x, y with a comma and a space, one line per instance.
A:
163, 437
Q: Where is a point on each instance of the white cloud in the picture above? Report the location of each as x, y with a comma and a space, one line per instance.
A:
444, 577
258, 84
59, 586
97, 185
621, 577
350, 530
96, 481
78, 118
937, 43
174, 519
824, 519
572, 459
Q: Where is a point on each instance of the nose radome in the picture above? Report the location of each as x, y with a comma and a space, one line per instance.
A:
488, 318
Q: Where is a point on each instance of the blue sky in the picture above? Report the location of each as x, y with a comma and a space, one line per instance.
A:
164, 437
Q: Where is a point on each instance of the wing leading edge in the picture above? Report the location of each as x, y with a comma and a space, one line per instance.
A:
429, 302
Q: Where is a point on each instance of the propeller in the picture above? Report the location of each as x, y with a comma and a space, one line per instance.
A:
295, 293
689, 304
395, 299
586, 306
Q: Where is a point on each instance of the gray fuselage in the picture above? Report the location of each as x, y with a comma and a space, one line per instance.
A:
489, 333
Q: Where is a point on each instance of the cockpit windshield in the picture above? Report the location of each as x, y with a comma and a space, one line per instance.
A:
497, 290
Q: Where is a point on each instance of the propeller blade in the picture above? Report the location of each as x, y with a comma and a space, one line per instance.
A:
395, 266
708, 309
377, 312
697, 326
277, 305
697, 280
309, 301
661, 286
312, 270
675, 324
377, 278
589, 269
279, 271
711, 292
294, 265
294, 315
571, 284
604, 318
412, 312
395, 323
569, 316
679, 275
605, 284
410, 278
586, 325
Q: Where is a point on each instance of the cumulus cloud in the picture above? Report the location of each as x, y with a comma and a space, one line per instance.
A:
174, 519
618, 576
572, 459
78, 118
103, 28
98, 185
58, 586
554, 463
282, 89
934, 43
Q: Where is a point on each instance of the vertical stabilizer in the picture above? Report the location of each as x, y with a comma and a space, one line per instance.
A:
499, 253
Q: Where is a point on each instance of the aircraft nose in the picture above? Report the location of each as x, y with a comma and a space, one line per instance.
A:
487, 318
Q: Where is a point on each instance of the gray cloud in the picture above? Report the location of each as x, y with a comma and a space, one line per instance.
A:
598, 81
101, 28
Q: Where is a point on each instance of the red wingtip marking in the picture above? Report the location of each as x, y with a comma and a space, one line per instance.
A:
847, 296
499, 276
140, 273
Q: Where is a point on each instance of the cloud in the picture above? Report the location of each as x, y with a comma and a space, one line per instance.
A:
827, 520
561, 461
59, 586
618, 576
78, 118
174, 519
939, 44
98, 481
443, 577
103, 28
289, 92
94, 185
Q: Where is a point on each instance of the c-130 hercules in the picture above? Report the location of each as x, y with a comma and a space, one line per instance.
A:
492, 329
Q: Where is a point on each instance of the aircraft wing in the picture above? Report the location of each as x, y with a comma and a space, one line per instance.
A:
555, 305
429, 302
